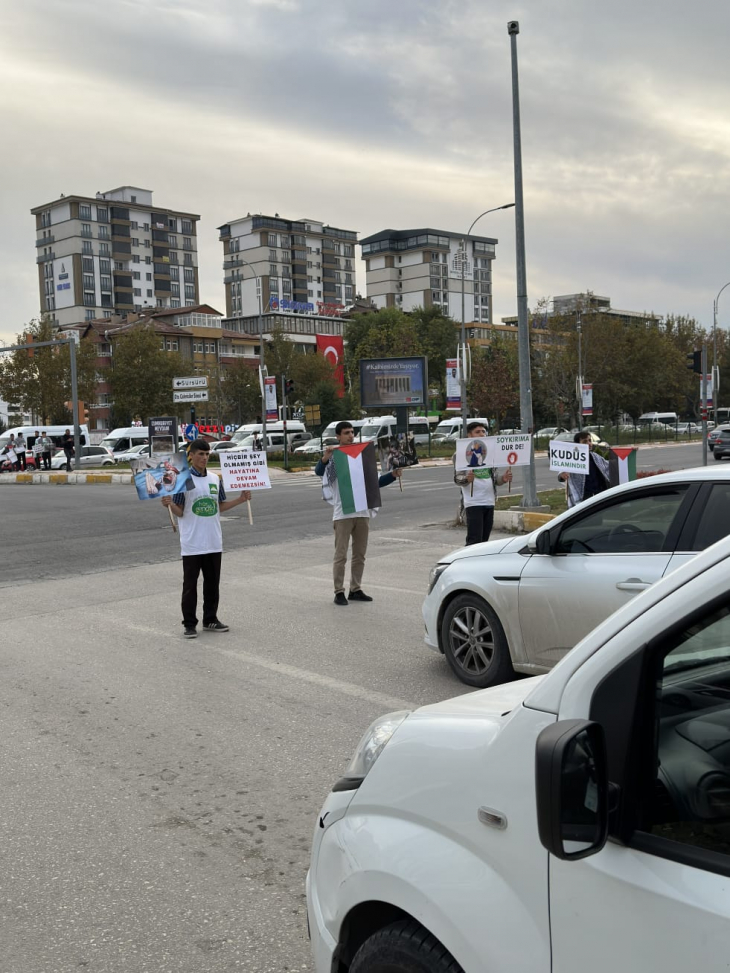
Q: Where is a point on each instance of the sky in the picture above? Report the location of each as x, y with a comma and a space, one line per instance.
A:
370, 114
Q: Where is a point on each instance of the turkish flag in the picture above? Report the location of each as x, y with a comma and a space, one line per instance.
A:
333, 349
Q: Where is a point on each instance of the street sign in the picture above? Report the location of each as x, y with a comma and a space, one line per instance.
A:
191, 432
190, 382
192, 395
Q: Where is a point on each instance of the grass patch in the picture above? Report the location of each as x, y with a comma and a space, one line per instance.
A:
555, 499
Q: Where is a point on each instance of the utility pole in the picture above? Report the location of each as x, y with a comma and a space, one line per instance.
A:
704, 403
529, 489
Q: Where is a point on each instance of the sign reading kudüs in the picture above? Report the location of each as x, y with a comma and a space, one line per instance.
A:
244, 469
568, 457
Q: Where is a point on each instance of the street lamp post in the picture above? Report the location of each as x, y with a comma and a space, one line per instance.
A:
462, 354
529, 489
715, 369
261, 350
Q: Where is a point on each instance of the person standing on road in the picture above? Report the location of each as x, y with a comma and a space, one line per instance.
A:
479, 493
581, 486
67, 445
37, 449
201, 539
46, 444
20, 448
348, 526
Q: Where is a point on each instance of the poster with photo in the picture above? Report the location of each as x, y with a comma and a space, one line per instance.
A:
453, 385
244, 469
396, 452
474, 455
162, 433
160, 476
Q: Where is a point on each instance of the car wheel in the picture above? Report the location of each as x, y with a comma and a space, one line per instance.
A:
108, 462
404, 947
474, 642
717, 456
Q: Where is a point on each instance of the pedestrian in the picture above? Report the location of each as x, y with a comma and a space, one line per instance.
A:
355, 526
479, 492
581, 486
37, 448
201, 539
11, 455
46, 450
67, 445
20, 448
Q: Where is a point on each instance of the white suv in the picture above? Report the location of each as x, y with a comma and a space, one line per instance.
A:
570, 822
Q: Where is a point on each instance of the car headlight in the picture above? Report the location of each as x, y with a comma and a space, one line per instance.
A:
435, 573
372, 744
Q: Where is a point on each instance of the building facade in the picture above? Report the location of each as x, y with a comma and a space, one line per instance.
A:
114, 253
428, 268
302, 266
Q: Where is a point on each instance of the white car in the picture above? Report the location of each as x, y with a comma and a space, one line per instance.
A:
470, 836
519, 605
90, 456
311, 448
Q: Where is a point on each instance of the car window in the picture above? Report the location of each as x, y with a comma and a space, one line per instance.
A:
690, 800
715, 518
634, 525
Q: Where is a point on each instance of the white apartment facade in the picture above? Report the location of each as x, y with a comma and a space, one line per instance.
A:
114, 252
423, 268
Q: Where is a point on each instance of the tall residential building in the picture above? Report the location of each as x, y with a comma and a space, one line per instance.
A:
114, 253
423, 268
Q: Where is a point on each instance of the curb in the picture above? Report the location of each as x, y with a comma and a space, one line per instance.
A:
64, 479
519, 522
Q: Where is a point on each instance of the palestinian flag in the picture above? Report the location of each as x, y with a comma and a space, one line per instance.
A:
357, 477
622, 464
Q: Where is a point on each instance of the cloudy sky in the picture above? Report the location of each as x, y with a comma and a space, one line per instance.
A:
387, 113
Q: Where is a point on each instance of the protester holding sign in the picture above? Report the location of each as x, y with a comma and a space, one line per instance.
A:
201, 539
477, 483
581, 486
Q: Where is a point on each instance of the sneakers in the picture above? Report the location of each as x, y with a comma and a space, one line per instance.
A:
340, 598
215, 626
358, 596
190, 633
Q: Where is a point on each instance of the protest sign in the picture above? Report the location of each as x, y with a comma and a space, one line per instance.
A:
474, 455
162, 433
512, 450
161, 476
568, 457
244, 469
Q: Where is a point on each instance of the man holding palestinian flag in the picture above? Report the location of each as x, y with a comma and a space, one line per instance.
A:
350, 482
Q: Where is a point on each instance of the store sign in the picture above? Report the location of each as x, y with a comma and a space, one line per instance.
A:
302, 307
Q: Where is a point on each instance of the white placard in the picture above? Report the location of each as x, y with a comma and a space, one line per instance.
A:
244, 469
511, 450
474, 454
194, 395
190, 382
569, 457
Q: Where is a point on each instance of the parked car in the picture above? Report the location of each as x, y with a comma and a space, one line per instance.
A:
520, 605
134, 453
90, 456
311, 448
7, 467
569, 437
688, 428
722, 445
714, 435
577, 821
550, 432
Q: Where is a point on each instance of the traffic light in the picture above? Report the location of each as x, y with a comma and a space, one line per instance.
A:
694, 361
289, 386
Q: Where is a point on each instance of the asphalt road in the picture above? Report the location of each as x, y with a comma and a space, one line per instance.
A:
159, 795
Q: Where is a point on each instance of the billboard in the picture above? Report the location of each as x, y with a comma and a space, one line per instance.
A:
390, 383
453, 385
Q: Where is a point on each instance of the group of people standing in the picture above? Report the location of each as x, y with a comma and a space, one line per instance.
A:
16, 451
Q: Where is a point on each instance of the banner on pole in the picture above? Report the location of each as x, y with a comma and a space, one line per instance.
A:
272, 411
453, 385
587, 399
244, 469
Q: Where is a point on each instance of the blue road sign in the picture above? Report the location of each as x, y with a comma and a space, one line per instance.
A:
191, 432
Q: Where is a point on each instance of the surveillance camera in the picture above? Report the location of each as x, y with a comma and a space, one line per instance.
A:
513, 27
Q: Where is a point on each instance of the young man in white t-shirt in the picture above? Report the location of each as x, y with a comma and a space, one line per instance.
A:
479, 494
201, 539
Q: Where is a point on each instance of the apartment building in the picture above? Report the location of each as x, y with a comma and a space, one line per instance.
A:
303, 271
114, 252
427, 268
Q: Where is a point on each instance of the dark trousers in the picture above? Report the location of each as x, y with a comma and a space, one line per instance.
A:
46, 461
69, 456
21, 461
479, 522
210, 565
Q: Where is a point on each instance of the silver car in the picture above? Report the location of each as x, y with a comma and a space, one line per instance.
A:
519, 604
90, 456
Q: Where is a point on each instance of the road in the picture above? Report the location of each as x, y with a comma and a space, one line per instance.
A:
159, 795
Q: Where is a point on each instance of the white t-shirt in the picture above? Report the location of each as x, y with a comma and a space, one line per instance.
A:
482, 495
200, 524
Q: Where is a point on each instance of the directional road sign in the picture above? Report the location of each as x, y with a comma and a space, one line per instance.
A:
191, 382
192, 395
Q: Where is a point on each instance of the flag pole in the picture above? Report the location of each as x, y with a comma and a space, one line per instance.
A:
250, 515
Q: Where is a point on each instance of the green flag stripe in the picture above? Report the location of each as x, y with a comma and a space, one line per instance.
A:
342, 466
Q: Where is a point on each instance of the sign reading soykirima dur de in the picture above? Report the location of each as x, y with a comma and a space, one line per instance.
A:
568, 457
191, 382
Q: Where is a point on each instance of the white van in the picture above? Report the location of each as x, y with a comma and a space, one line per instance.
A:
376, 427
451, 428
652, 418
421, 428
54, 432
329, 437
296, 431
124, 438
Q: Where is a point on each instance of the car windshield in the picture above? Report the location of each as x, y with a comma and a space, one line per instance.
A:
371, 429
444, 428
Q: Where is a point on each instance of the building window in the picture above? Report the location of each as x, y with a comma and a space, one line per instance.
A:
84, 212
187, 243
135, 225
272, 256
174, 303
105, 266
172, 240
189, 291
136, 275
89, 315
134, 199
89, 298
273, 270
149, 293
187, 226
87, 265
88, 281
118, 265
188, 259
103, 232
86, 229
104, 249
135, 241
147, 243
174, 290
172, 223
106, 283
148, 260
137, 291
148, 276
173, 257
174, 273
86, 246
145, 227
188, 275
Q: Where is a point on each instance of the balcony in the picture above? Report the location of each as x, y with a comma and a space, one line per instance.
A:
44, 241
43, 257
232, 262
86, 233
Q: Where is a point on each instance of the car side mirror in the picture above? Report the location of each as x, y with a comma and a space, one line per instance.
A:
571, 781
540, 543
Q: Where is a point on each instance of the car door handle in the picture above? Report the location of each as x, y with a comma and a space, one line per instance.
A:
633, 584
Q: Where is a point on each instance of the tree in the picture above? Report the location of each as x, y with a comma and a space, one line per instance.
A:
280, 355
241, 393
141, 375
310, 372
39, 381
493, 388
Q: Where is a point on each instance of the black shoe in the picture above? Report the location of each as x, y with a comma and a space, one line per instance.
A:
358, 596
190, 633
340, 598
216, 626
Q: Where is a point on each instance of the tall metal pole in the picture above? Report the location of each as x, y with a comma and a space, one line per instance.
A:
715, 369
262, 370
704, 403
75, 405
529, 489
579, 383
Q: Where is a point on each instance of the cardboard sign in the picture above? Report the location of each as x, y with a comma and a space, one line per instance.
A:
244, 469
569, 457
474, 454
160, 476
513, 450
